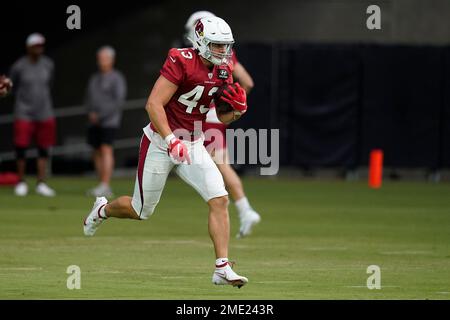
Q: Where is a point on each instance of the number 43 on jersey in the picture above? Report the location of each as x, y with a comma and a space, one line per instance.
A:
190, 99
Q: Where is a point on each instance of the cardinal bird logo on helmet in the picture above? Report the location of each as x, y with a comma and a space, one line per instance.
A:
199, 28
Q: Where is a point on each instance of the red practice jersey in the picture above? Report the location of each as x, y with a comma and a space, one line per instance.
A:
196, 86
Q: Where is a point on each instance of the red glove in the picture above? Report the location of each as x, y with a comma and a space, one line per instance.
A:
237, 98
177, 150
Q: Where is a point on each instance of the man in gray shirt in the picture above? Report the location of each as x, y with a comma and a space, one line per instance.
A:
105, 96
32, 76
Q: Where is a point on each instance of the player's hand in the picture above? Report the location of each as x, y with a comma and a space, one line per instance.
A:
177, 150
237, 98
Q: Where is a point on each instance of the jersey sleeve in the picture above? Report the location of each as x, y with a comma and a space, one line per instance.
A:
173, 68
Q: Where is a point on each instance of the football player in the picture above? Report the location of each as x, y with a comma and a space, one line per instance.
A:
177, 107
247, 216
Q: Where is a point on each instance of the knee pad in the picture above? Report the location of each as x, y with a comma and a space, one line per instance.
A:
43, 152
20, 153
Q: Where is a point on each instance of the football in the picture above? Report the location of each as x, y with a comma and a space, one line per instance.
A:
5, 86
222, 106
5, 83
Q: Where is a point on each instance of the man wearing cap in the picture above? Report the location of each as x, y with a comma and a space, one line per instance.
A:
32, 76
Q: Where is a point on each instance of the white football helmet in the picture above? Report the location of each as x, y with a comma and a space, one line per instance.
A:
189, 27
213, 30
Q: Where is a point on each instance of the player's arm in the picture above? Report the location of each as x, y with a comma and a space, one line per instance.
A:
162, 92
243, 77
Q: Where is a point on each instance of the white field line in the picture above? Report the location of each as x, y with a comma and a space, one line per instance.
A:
408, 252
283, 281
3, 270
366, 287
176, 242
326, 248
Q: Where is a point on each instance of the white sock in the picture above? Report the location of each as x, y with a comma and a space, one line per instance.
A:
103, 213
242, 205
221, 261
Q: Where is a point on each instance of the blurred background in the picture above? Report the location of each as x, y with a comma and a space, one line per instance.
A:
335, 89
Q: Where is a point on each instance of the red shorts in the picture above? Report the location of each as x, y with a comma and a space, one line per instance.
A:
215, 139
43, 131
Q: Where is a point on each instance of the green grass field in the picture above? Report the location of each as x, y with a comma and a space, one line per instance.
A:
315, 241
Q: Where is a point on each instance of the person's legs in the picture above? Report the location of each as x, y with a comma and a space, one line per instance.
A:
93, 139
215, 135
97, 158
103, 189
219, 225
21, 167
102, 157
247, 216
23, 131
41, 163
41, 186
153, 168
21, 188
41, 169
45, 138
202, 174
107, 163
232, 181
121, 208
104, 165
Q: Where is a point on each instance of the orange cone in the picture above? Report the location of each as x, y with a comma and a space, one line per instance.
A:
376, 168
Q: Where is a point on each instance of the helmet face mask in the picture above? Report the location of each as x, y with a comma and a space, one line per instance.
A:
218, 57
209, 32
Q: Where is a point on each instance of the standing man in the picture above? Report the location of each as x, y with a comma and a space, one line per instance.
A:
32, 76
105, 96
247, 215
177, 108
